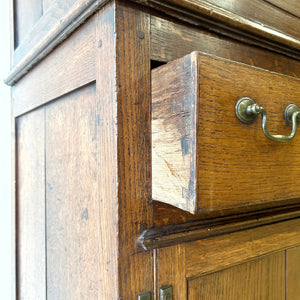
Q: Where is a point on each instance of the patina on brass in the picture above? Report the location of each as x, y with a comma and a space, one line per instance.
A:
166, 293
247, 111
144, 296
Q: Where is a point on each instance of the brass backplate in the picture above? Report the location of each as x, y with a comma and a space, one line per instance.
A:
144, 296
166, 293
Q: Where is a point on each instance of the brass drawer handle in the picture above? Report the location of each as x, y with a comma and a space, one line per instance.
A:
247, 111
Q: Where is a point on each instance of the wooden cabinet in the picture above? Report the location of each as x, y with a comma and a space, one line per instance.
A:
88, 221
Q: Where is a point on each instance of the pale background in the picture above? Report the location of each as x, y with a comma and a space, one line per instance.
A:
5, 202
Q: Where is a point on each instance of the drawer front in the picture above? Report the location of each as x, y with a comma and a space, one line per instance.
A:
203, 157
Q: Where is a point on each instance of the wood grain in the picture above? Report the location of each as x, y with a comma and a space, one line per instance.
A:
58, 74
159, 237
238, 20
107, 173
134, 147
244, 23
291, 6
171, 40
211, 86
293, 273
72, 195
58, 22
31, 243
262, 12
213, 254
171, 270
174, 109
261, 279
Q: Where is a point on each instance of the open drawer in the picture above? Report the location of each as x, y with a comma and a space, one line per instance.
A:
204, 158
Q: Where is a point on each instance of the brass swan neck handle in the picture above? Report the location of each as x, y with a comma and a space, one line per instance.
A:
247, 111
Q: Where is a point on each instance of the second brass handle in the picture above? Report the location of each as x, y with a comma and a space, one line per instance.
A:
247, 111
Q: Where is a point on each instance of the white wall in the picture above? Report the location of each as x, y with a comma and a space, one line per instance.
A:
5, 219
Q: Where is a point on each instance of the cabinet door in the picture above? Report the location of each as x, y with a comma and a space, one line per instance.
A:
260, 263
259, 279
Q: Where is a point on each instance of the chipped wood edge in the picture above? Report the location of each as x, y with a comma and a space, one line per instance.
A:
74, 18
183, 188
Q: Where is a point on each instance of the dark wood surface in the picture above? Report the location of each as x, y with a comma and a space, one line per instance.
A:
58, 74
291, 6
94, 92
293, 273
259, 279
265, 24
233, 19
134, 150
213, 254
171, 39
171, 263
72, 199
243, 265
59, 22
217, 164
262, 12
79, 192
158, 237
106, 107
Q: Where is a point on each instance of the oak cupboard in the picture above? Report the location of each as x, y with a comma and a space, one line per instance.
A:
89, 223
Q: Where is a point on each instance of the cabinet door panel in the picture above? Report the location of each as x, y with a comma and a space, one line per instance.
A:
72, 165
261, 279
293, 273
260, 263
31, 247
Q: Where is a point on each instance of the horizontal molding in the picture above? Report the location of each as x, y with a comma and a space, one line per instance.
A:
164, 236
26, 56
58, 73
207, 256
222, 21
53, 28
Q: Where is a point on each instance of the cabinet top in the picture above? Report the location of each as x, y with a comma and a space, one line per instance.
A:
275, 20
38, 29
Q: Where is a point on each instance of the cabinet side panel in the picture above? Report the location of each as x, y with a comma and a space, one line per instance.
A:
72, 196
262, 279
68, 67
293, 273
31, 206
